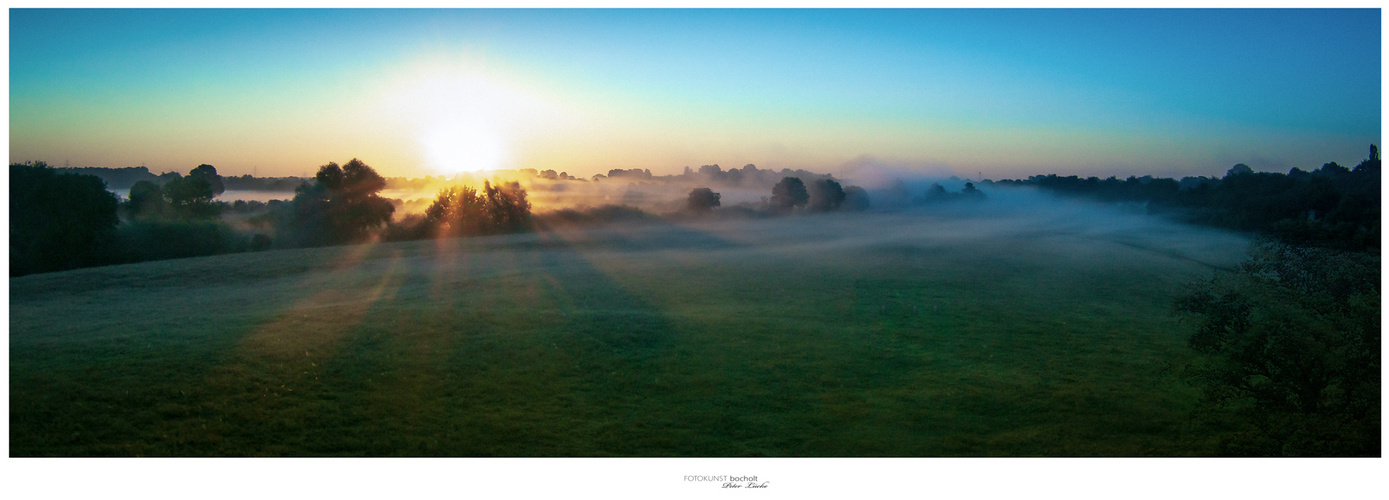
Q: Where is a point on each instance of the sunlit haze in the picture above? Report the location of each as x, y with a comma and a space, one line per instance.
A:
1005, 93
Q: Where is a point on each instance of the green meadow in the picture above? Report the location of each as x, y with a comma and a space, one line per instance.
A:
832, 335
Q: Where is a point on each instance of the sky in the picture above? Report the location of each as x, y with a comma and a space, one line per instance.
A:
1007, 93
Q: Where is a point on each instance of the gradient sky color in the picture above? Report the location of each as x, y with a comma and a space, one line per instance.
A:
1009, 93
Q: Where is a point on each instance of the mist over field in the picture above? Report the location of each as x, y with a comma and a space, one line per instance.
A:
1018, 325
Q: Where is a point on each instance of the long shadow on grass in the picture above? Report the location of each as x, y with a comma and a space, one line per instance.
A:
473, 348
581, 373
264, 396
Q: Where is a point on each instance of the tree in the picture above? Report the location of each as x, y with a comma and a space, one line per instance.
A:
465, 211
971, 193
789, 193
342, 206
458, 211
507, 205
825, 195
190, 197
209, 173
1291, 345
702, 200
1238, 169
146, 200
1371, 163
58, 221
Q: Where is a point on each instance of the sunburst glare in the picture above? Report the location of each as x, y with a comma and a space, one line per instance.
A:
464, 147
462, 117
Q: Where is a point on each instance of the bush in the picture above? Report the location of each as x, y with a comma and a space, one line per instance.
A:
166, 239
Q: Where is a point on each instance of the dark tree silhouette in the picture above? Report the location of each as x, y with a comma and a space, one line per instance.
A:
183, 197
341, 207
825, 195
1239, 169
702, 200
209, 173
187, 194
58, 221
1332, 207
788, 194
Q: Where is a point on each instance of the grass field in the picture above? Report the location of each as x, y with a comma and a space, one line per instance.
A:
836, 335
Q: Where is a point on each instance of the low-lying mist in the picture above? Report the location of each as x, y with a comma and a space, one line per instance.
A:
1005, 220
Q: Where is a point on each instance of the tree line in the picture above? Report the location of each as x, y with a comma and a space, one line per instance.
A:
65, 220
1288, 343
1332, 206
822, 194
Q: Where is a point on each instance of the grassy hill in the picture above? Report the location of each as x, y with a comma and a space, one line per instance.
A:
836, 335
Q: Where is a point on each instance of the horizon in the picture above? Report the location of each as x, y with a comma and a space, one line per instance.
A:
934, 92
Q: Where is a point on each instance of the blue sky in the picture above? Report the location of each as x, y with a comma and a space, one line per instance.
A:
415, 92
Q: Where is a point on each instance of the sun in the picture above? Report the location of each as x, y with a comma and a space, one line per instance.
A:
462, 115
464, 147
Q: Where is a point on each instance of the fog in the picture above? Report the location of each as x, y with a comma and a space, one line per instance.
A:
1007, 222
900, 215
656, 195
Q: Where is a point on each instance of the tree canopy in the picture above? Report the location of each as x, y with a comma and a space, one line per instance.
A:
341, 206
789, 193
58, 221
209, 173
702, 200
466, 211
1291, 344
825, 195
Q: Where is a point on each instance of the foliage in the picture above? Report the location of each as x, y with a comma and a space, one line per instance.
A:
146, 200
825, 195
789, 194
1292, 342
459, 211
506, 203
702, 200
464, 211
208, 173
189, 197
342, 206
155, 239
1332, 206
58, 221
